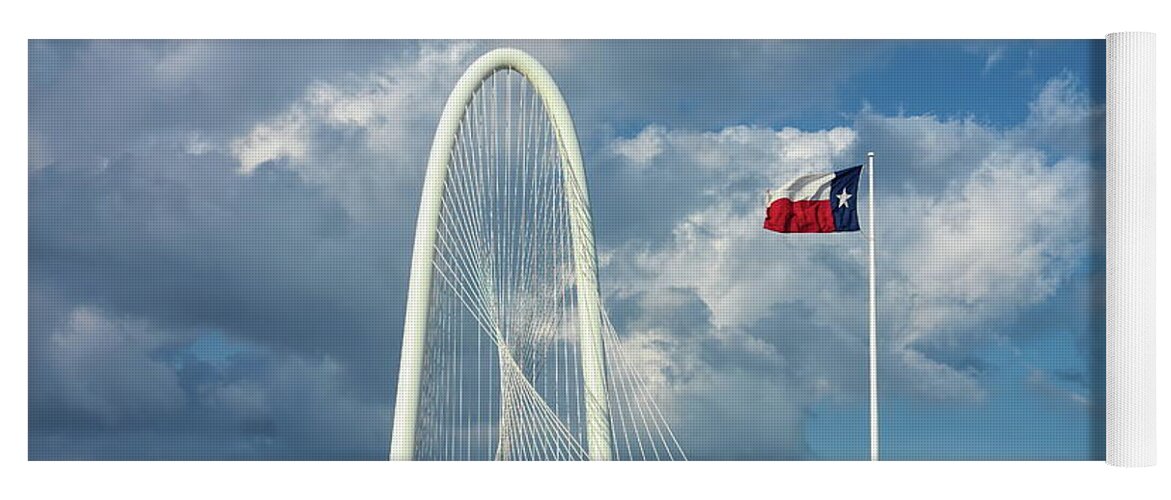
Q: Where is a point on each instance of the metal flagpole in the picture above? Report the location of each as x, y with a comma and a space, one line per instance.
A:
873, 317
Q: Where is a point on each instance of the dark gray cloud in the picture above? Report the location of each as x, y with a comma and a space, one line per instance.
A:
142, 257
91, 100
147, 225
186, 241
617, 87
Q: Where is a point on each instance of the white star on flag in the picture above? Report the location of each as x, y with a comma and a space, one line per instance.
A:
843, 197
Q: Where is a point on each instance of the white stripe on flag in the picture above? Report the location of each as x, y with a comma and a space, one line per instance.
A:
812, 187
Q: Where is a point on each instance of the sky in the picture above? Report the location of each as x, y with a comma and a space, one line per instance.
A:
220, 234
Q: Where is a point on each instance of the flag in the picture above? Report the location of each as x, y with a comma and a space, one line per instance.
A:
816, 203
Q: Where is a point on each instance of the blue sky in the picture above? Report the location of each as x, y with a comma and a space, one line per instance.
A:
219, 235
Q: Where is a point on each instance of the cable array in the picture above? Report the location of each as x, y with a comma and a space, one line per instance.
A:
502, 375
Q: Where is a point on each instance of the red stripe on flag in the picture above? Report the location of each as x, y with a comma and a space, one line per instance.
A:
806, 216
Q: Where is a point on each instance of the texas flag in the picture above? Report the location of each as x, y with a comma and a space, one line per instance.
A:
817, 203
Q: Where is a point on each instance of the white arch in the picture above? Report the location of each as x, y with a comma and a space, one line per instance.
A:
402, 444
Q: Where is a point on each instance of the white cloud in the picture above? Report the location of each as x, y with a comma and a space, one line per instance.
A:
641, 149
1042, 382
1061, 103
364, 136
284, 137
714, 385
181, 61
977, 225
719, 249
101, 366
1064, 120
994, 56
1010, 236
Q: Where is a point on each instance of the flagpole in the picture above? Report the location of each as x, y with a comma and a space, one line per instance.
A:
873, 317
